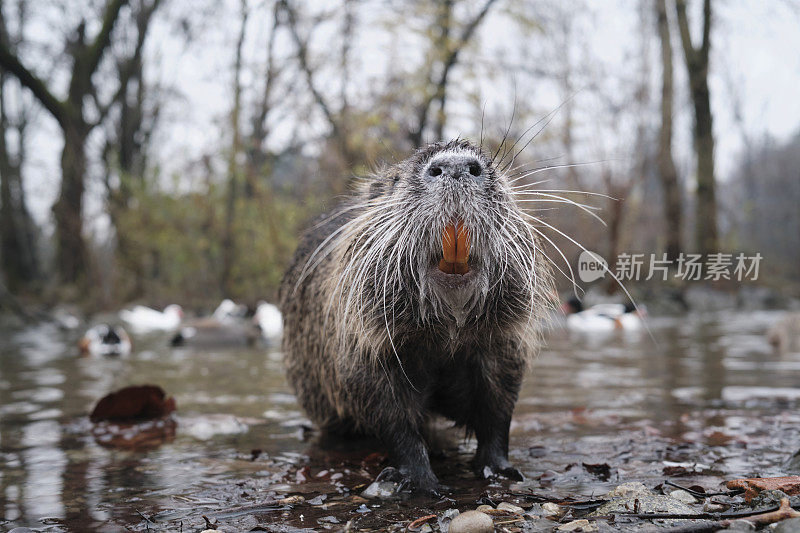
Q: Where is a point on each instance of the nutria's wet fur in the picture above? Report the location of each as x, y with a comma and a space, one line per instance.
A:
377, 339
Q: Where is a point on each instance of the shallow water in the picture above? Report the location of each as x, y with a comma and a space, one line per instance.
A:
705, 399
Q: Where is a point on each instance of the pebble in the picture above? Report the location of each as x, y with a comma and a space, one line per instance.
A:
484, 508
446, 517
578, 525
768, 498
626, 489
472, 522
645, 503
380, 489
682, 495
713, 507
791, 525
510, 507
551, 509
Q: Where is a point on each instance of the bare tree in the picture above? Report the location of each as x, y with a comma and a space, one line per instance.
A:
255, 147
228, 241
444, 55
127, 137
336, 118
20, 261
668, 174
697, 67
71, 114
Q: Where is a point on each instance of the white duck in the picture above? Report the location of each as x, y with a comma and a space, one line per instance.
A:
143, 319
103, 339
602, 317
228, 310
270, 320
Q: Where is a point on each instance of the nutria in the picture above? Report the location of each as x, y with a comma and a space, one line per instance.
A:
422, 295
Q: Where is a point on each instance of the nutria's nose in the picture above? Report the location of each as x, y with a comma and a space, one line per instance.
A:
455, 166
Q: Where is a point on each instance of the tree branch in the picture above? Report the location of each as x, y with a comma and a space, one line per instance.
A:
683, 26
128, 66
448, 63
10, 63
706, 44
103, 38
302, 57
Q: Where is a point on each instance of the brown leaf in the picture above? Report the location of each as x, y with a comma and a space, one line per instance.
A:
601, 470
752, 486
138, 402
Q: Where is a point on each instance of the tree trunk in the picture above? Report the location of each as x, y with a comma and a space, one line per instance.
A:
228, 237
697, 68
673, 210
71, 255
706, 224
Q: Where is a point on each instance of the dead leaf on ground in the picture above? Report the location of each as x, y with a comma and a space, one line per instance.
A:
752, 486
137, 402
134, 418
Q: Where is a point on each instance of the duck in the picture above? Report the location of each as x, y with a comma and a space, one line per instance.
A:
229, 311
104, 339
269, 320
784, 335
602, 317
209, 332
144, 319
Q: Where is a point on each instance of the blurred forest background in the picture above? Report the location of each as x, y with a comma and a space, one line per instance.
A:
167, 151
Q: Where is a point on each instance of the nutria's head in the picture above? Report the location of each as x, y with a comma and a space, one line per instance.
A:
436, 244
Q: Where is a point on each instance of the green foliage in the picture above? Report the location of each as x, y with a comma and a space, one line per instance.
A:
169, 245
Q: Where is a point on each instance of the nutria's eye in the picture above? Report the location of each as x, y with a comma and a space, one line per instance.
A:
475, 169
435, 171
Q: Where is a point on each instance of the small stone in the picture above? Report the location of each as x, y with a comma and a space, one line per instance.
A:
426, 529
319, 500
553, 510
472, 522
644, 503
204, 531
578, 525
713, 507
768, 498
510, 507
683, 496
380, 490
626, 489
446, 517
791, 525
484, 508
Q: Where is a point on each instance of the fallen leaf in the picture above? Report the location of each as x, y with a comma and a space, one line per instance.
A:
138, 402
752, 486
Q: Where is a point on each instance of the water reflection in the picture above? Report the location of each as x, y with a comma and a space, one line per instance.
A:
707, 375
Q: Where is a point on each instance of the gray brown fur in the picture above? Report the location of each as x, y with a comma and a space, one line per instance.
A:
377, 340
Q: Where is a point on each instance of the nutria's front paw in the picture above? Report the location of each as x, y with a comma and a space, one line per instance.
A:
498, 468
420, 484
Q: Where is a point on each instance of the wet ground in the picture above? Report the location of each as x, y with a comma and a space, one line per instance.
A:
707, 401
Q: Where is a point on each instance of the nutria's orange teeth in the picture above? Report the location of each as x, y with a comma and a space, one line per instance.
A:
462, 244
455, 249
447, 267
449, 244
